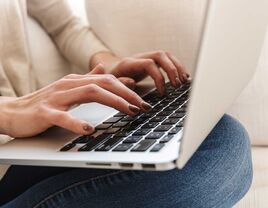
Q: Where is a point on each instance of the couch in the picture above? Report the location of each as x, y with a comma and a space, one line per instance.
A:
130, 26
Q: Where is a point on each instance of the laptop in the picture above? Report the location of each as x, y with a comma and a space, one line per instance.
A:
167, 136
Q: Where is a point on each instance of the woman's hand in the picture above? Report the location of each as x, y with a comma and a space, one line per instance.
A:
34, 113
136, 68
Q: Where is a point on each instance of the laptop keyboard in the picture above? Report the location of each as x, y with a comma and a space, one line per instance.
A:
149, 131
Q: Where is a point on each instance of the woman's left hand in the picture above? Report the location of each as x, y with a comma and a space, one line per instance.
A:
135, 68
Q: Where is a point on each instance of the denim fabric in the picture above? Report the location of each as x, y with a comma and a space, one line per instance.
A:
218, 175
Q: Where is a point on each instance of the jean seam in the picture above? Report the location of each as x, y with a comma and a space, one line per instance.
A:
75, 185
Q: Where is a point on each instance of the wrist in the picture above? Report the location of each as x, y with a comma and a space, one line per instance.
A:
107, 59
5, 114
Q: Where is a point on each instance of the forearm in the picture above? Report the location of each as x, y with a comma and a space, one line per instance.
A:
5, 114
74, 39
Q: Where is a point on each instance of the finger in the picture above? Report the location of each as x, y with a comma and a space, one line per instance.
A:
167, 65
112, 84
94, 93
99, 69
150, 68
129, 82
66, 121
181, 69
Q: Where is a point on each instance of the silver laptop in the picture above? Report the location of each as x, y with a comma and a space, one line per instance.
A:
166, 137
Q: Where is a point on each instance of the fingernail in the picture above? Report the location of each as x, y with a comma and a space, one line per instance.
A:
146, 106
87, 128
163, 91
178, 82
188, 75
134, 109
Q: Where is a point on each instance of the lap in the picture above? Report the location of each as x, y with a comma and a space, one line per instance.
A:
218, 175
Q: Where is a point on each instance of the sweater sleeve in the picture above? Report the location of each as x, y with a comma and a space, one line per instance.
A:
75, 40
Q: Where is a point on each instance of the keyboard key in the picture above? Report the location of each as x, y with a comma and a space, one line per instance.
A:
157, 119
95, 142
103, 126
122, 147
177, 115
145, 116
128, 118
162, 128
121, 124
155, 135
171, 121
183, 108
83, 139
174, 96
67, 147
122, 133
177, 92
143, 146
131, 127
109, 144
177, 103
180, 110
160, 106
175, 130
139, 121
171, 108
151, 102
149, 125
180, 124
132, 139
166, 138
168, 100
141, 132
112, 120
165, 113
111, 130
157, 147
120, 115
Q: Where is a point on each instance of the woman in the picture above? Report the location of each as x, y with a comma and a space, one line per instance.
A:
218, 175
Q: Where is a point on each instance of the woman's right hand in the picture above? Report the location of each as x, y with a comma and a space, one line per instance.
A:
34, 113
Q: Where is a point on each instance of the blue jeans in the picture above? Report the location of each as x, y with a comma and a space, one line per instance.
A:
218, 175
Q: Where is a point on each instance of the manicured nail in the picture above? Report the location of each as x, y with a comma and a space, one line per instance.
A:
163, 91
87, 128
146, 106
178, 82
134, 109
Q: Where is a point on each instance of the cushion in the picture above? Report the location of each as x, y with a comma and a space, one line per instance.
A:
46, 60
251, 107
129, 27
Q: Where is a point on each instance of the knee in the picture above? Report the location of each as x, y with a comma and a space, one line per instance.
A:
235, 163
232, 134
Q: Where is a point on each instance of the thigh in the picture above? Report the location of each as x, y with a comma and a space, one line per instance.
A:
218, 175
20, 178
